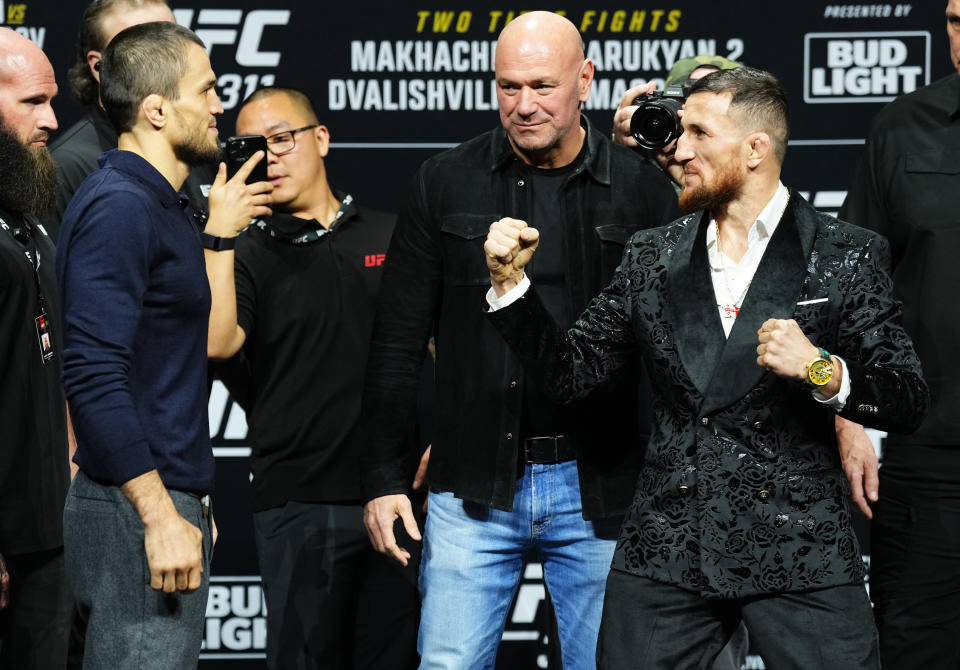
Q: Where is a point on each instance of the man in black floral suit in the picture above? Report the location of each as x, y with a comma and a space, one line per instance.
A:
741, 510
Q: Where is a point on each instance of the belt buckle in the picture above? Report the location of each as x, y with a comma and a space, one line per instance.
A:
538, 455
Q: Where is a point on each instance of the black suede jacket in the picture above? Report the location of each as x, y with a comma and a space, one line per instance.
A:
434, 283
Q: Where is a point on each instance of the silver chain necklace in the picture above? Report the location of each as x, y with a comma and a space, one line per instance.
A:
730, 310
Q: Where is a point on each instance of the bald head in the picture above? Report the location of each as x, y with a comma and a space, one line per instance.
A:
295, 96
541, 31
542, 78
17, 53
27, 86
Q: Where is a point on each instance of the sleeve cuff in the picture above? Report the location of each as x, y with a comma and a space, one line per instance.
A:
836, 402
510, 296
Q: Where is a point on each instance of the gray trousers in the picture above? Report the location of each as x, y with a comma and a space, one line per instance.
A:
129, 624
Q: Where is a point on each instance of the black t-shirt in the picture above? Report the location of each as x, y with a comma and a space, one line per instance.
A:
547, 270
34, 470
307, 310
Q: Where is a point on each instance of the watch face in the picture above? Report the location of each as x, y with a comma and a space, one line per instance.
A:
820, 372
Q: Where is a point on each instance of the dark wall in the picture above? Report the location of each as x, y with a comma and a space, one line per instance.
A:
396, 82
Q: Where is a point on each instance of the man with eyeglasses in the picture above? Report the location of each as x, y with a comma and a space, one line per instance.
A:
295, 300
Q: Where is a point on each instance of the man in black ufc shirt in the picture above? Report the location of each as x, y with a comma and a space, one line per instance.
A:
296, 299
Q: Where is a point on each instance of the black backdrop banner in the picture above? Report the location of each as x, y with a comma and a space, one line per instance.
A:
397, 82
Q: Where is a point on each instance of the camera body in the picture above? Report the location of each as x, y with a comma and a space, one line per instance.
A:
656, 123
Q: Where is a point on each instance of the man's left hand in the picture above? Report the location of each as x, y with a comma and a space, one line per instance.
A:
784, 349
860, 464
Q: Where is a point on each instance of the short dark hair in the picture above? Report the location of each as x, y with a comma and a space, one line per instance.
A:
142, 60
90, 37
298, 97
759, 101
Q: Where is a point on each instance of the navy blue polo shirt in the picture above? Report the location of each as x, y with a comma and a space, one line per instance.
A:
135, 302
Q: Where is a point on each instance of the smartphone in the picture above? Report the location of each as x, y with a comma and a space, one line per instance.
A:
239, 150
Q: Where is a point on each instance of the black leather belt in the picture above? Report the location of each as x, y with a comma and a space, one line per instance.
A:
546, 450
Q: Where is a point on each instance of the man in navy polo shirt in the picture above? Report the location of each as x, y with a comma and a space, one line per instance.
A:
138, 533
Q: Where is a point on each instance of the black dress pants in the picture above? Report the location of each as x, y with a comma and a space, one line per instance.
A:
35, 625
915, 574
333, 603
655, 626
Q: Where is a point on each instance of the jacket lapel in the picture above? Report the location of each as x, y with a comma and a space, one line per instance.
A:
692, 306
773, 294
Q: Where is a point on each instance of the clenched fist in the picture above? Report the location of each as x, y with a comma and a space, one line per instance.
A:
785, 350
509, 247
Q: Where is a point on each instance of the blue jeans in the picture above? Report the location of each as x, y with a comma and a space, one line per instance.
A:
473, 557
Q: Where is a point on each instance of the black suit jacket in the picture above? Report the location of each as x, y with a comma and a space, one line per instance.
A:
741, 492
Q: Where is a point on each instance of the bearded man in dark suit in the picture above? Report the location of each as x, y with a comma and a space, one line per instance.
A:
741, 511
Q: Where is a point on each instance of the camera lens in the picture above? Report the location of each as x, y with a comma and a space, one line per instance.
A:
656, 123
656, 126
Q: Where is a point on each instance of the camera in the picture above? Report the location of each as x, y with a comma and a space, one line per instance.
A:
656, 123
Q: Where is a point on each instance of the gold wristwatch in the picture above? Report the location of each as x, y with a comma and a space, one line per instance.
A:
819, 370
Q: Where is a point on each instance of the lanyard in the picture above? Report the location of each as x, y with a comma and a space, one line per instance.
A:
309, 236
22, 236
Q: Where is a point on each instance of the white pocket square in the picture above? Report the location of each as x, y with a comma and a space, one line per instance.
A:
811, 302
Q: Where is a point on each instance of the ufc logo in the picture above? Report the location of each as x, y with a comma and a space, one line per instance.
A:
220, 26
374, 260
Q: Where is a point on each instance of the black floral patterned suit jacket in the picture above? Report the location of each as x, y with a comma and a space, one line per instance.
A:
741, 491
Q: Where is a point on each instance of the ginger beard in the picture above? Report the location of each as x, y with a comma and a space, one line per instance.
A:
716, 195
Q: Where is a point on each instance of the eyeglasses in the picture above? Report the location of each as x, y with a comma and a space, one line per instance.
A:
283, 143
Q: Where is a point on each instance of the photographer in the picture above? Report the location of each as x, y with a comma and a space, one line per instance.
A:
684, 69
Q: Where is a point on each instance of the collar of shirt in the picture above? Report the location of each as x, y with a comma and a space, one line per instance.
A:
137, 166
594, 156
730, 280
761, 230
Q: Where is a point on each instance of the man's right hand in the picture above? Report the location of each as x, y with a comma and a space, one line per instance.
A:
624, 113
379, 515
174, 549
509, 247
